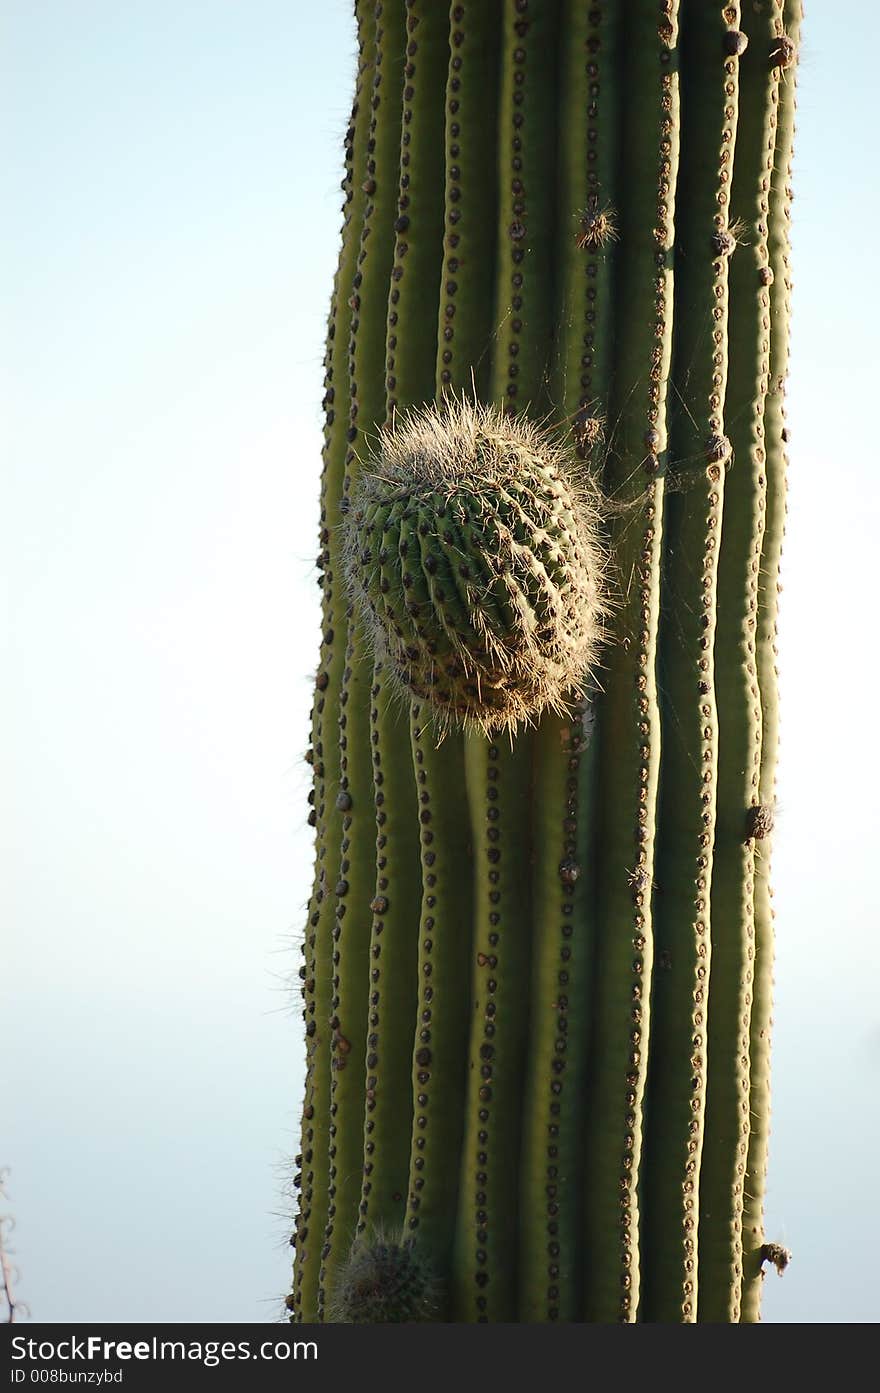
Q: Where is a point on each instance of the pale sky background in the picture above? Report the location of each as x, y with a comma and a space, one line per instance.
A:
167, 245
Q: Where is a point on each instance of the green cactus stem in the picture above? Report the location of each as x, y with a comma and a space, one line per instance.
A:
538, 956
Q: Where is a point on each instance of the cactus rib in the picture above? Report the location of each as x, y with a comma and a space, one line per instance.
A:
412, 304
551, 1198
628, 710
311, 1220
357, 868
699, 454
730, 993
775, 443
498, 778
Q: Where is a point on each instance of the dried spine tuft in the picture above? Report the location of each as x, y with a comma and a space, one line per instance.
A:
597, 226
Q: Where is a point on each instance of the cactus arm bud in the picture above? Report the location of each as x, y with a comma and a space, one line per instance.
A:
384, 1280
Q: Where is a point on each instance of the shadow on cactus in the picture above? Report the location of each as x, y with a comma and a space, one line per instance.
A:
473, 552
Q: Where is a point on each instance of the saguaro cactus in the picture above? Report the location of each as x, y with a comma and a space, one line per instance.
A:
538, 959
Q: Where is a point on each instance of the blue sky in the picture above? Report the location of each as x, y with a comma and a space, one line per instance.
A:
168, 244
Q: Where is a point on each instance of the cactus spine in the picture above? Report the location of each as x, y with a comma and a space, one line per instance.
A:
538, 957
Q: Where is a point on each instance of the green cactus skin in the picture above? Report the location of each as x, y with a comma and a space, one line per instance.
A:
520, 941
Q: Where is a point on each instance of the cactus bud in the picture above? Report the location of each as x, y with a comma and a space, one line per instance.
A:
473, 554
385, 1280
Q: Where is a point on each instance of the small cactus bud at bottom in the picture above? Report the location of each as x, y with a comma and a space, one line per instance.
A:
385, 1280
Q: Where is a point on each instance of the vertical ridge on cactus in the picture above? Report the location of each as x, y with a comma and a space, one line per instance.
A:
324, 753
699, 454
412, 303
776, 276
732, 911
356, 851
499, 773
629, 716
538, 956
553, 1191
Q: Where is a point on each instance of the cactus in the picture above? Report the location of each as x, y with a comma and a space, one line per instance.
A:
538, 957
